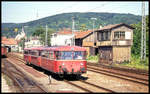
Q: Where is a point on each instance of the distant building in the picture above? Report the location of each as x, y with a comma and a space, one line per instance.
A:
33, 42
62, 38
10, 42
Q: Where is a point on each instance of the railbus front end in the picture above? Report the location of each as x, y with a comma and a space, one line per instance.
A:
71, 62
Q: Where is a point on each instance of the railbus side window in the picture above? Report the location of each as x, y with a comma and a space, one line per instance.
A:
25, 52
44, 54
39, 53
58, 55
28, 51
36, 53
51, 55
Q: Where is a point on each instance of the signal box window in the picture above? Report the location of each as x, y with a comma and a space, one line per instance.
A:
119, 35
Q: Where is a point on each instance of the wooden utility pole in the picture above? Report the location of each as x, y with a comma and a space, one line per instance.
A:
73, 28
143, 34
46, 36
93, 30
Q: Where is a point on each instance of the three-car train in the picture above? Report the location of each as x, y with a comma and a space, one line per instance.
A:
59, 60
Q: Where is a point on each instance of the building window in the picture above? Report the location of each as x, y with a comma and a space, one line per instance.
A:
104, 36
119, 35
122, 35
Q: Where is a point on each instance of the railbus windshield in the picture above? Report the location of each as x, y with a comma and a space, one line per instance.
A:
70, 55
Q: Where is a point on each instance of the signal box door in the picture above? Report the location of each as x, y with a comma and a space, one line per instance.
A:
106, 54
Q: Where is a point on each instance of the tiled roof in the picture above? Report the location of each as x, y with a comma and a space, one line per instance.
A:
82, 34
64, 32
4, 38
10, 41
112, 26
79, 34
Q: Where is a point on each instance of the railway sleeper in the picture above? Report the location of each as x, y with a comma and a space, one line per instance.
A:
30, 82
20, 82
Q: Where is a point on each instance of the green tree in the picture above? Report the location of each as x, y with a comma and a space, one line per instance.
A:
136, 48
83, 27
41, 32
38, 31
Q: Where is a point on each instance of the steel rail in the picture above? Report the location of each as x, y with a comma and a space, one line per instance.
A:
112, 75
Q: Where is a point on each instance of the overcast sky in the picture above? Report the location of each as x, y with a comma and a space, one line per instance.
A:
20, 12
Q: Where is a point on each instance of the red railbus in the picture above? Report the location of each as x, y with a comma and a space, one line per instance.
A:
59, 60
3, 51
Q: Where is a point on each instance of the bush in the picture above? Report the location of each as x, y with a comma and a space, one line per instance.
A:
137, 63
92, 58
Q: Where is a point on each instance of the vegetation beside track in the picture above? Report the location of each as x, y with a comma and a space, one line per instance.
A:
134, 63
8, 80
137, 63
92, 58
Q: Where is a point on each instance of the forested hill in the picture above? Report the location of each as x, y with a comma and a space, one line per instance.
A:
64, 20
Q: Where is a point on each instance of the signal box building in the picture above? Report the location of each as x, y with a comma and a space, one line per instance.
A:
114, 43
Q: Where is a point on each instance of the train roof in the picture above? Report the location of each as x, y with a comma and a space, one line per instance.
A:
34, 48
58, 48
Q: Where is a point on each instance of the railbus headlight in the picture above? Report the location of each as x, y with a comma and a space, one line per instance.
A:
81, 64
63, 64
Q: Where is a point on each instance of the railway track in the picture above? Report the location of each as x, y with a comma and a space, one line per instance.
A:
129, 70
121, 75
25, 83
89, 87
76, 84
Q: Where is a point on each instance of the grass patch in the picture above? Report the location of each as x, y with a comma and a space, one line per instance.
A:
137, 63
8, 80
92, 58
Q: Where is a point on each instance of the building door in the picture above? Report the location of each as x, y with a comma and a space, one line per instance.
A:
105, 54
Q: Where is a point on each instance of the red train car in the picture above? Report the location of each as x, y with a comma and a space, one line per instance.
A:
60, 60
3, 51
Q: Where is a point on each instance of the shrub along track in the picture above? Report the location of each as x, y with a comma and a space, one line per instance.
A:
129, 76
25, 83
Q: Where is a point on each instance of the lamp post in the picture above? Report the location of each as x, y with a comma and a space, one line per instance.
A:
93, 29
23, 46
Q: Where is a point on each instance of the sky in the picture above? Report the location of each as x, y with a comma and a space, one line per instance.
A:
23, 11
